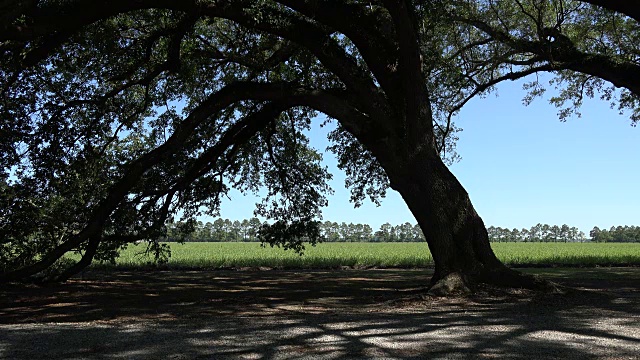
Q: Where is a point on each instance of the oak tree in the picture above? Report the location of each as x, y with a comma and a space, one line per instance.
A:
117, 116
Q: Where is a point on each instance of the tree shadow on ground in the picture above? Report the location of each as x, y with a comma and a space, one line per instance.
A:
297, 315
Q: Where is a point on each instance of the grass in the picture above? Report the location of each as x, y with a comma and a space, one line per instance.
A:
391, 255
568, 254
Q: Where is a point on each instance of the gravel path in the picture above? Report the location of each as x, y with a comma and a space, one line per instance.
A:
373, 314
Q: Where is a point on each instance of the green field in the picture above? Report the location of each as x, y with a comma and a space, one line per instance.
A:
360, 255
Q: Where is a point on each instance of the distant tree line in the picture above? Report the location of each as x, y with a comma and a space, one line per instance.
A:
220, 230
616, 234
537, 233
246, 231
343, 232
225, 230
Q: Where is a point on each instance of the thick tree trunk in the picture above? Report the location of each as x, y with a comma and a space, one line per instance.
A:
455, 233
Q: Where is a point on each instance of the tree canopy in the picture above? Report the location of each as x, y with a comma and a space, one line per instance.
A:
118, 116
591, 51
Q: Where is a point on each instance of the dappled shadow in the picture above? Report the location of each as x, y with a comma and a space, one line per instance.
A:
296, 315
194, 294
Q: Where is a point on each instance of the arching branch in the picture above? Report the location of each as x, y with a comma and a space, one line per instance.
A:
561, 54
63, 21
214, 103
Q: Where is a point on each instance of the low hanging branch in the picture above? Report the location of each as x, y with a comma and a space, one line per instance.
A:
215, 102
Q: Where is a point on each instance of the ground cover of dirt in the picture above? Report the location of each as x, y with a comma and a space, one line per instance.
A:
346, 314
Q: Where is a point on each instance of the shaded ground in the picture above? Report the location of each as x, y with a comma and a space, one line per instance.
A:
317, 314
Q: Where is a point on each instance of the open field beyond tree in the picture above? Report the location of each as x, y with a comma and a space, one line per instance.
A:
390, 255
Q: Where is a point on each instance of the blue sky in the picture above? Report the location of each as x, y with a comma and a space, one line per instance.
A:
520, 165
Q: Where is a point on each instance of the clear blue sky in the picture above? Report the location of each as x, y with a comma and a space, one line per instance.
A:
521, 166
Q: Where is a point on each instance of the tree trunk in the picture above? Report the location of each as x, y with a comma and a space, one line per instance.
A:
455, 233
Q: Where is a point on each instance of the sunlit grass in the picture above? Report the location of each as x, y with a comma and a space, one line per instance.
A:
568, 254
363, 255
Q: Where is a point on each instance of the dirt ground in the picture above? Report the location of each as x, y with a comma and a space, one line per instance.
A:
345, 314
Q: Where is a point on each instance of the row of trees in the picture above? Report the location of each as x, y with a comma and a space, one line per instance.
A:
247, 231
537, 233
616, 234
343, 232
331, 231
218, 230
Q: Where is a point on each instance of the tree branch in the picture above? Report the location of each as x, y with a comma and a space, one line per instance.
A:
362, 27
214, 103
561, 54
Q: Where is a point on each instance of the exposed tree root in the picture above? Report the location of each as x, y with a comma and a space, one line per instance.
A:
461, 284
454, 284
